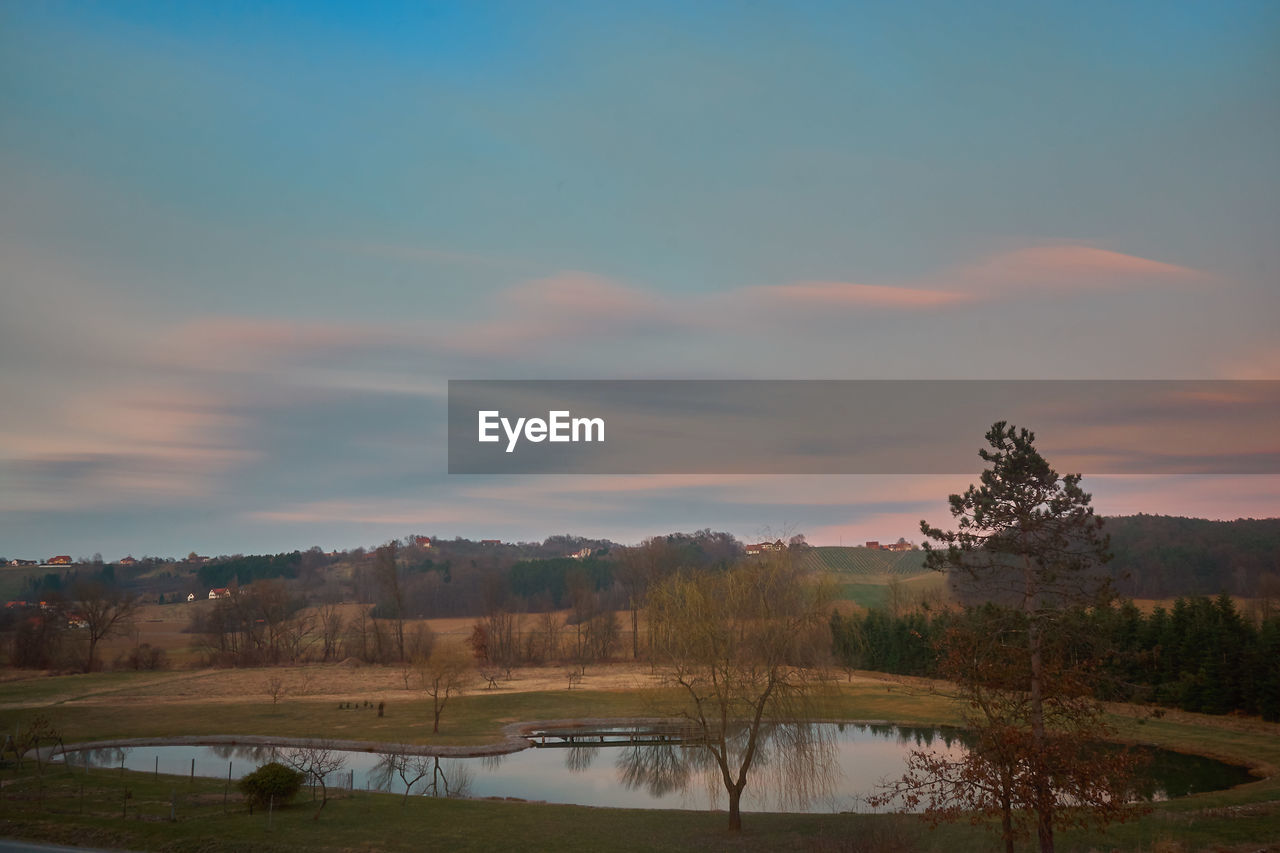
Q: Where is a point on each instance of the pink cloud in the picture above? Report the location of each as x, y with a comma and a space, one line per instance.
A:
1069, 266
569, 305
1258, 363
119, 446
838, 294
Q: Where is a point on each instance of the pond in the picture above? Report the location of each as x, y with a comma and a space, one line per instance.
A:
829, 767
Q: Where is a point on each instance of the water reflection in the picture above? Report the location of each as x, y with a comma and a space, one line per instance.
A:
658, 770
424, 775
819, 767
794, 767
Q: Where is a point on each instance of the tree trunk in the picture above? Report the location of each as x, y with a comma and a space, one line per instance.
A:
1006, 822
635, 631
1043, 792
735, 809
1044, 829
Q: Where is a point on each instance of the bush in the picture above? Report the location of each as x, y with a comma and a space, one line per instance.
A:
271, 781
146, 657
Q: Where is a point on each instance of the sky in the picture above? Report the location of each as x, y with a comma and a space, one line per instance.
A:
244, 247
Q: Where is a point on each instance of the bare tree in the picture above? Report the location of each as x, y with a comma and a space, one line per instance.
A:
739, 646
274, 687
317, 760
387, 569
446, 673
105, 611
330, 629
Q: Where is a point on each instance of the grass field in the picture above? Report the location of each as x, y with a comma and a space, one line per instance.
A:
108, 705
863, 561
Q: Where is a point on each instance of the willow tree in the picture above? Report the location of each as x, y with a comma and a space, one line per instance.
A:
1026, 541
739, 646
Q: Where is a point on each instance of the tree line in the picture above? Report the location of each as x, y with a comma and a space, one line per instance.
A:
1202, 654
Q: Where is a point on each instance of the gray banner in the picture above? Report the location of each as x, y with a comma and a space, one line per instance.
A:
857, 426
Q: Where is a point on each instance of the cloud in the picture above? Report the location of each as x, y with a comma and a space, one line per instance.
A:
1066, 267
823, 295
1258, 363
568, 306
120, 447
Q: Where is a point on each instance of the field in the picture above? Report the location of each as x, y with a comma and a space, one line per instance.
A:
864, 561
67, 806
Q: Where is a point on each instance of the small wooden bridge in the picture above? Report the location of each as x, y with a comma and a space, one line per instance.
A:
647, 736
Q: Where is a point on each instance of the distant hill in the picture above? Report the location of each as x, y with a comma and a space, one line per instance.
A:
1155, 556
1159, 556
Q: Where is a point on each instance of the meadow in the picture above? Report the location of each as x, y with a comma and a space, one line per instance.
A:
132, 810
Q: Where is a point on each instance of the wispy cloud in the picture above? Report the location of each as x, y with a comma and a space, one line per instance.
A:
824, 295
1068, 267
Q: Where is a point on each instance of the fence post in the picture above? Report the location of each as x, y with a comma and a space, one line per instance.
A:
227, 788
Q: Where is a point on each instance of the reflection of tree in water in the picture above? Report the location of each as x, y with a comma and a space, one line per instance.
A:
262, 754
450, 779
579, 758
660, 770
455, 783
384, 771
798, 766
107, 756
795, 766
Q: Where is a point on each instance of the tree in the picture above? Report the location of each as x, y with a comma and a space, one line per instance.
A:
444, 674
738, 645
1028, 540
274, 687
387, 570
317, 760
105, 610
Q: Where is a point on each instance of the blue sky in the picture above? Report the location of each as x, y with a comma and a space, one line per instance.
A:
243, 247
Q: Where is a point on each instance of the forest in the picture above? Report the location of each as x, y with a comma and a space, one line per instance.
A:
1202, 654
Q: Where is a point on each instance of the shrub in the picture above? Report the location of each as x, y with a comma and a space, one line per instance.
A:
271, 781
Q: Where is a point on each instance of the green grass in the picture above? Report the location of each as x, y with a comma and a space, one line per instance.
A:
862, 561
866, 595
55, 809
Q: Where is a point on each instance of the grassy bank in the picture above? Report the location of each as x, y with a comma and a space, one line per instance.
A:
108, 706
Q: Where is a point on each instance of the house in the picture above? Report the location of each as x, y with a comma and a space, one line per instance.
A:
60, 560
490, 541
191, 596
220, 592
873, 545
77, 620
24, 562
422, 541
128, 561
761, 547
581, 554
900, 546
